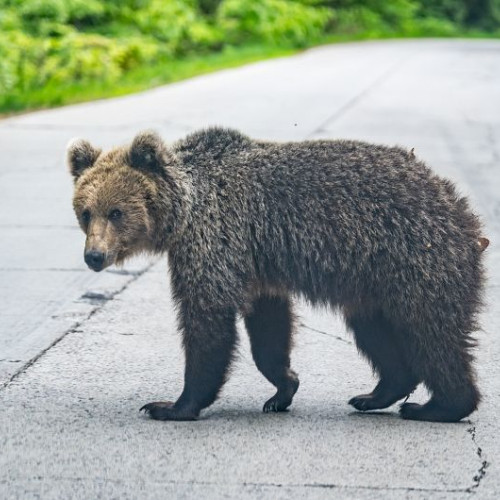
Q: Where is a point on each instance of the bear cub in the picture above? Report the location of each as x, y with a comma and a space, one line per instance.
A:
365, 229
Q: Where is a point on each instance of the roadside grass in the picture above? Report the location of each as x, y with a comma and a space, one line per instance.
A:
150, 76
138, 79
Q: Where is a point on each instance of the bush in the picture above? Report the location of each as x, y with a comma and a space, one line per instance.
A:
483, 14
83, 13
374, 18
274, 21
36, 11
178, 24
20, 58
27, 62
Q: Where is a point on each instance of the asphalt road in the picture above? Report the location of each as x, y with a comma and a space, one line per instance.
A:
81, 352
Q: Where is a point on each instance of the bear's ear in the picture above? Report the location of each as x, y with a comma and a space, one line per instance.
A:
148, 152
80, 156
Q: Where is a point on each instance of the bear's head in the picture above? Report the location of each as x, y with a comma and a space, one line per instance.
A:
127, 200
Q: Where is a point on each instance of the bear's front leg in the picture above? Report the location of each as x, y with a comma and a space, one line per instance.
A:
209, 338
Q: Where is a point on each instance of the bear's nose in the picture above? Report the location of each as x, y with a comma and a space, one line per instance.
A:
94, 259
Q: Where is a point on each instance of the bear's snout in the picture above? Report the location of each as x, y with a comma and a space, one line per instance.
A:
94, 259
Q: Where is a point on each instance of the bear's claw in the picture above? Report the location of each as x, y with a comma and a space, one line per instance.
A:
166, 410
282, 399
275, 405
364, 402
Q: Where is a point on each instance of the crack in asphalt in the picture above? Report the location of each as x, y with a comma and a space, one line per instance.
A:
97, 297
358, 97
75, 328
481, 472
337, 337
251, 484
125, 272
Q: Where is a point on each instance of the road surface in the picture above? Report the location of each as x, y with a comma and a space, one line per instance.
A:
81, 352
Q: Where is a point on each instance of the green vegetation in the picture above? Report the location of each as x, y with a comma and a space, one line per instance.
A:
54, 52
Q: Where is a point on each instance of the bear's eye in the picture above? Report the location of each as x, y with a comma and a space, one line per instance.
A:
115, 214
86, 216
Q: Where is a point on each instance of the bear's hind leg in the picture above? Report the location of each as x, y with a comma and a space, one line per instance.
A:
269, 324
375, 339
446, 369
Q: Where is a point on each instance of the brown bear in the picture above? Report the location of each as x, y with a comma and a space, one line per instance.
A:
365, 229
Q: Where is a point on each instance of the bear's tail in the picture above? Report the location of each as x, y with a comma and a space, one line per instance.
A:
483, 244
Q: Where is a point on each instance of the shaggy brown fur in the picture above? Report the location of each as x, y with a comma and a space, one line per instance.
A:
246, 224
